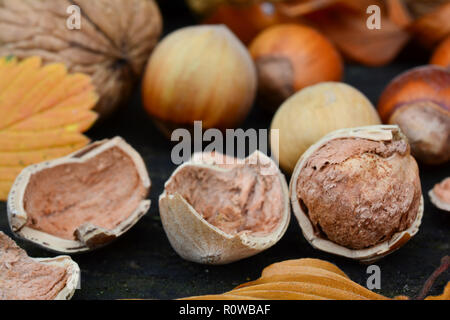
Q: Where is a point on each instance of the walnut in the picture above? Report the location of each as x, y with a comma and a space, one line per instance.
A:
112, 45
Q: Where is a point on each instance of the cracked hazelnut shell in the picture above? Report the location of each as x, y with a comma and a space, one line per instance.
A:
356, 193
25, 278
440, 195
82, 201
418, 101
216, 213
290, 57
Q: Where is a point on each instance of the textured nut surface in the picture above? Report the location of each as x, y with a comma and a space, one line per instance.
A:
25, 278
356, 193
112, 45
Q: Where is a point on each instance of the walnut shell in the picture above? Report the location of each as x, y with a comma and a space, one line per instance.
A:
22, 275
112, 45
82, 201
208, 209
372, 221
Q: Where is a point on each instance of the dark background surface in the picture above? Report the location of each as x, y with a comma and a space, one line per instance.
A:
142, 264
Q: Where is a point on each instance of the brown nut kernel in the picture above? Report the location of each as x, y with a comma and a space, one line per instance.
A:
217, 209
356, 192
82, 201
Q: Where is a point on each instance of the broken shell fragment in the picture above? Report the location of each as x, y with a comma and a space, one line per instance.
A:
440, 195
82, 201
25, 278
356, 193
217, 209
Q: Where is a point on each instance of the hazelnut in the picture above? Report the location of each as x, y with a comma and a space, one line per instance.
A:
357, 193
82, 201
418, 101
217, 209
290, 57
200, 73
440, 195
25, 278
312, 113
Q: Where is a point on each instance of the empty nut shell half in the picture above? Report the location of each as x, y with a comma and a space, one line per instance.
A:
356, 193
82, 201
217, 209
440, 195
25, 278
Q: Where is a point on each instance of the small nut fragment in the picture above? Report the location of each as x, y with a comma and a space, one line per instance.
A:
357, 193
440, 195
82, 201
25, 278
217, 209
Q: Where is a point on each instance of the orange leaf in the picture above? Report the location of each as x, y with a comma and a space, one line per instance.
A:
305, 279
432, 27
43, 114
348, 30
444, 296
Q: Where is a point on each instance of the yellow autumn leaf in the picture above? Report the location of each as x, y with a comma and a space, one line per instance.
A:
44, 111
444, 296
305, 279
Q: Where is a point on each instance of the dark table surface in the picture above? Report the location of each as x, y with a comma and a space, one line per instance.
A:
142, 264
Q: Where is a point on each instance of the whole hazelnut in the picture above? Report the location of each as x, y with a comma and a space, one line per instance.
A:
200, 73
82, 201
290, 57
357, 193
418, 101
312, 113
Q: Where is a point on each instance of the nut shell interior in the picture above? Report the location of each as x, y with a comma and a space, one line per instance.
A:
25, 278
369, 175
312, 113
82, 201
235, 202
